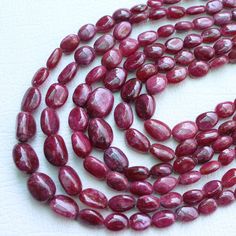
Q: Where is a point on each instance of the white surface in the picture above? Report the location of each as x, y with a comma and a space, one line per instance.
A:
29, 30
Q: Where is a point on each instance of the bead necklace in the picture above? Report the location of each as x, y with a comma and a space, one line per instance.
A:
197, 141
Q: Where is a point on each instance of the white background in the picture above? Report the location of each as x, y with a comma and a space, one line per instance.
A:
29, 30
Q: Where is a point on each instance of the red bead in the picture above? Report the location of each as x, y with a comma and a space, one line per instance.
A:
137, 18
137, 173
139, 221
229, 178
184, 25
232, 56
154, 51
116, 222
69, 43
81, 94
207, 120
214, 6
212, 188
40, 77
171, 200
139, 8
163, 219
49, 121
176, 75
189, 177
134, 61
210, 167
175, 12
112, 58
193, 197
187, 147
147, 38
104, 43
117, 181
186, 214
162, 152
54, 58
146, 71
219, 62
227, 127
204, 53
184, 57
184, 164
202, 23
128, 46
165, 64
161, 170
210, 35
121, 14
194, 10
78, 119
141, 188
130, 90
97, 74
222, 18
156, 4
229, 29
221, 143
105, 24
198, 69
207, 206
222, 46
165, 184
156, 84
68, 73
192, 40
165, 31
31, 100
122, 30
148, 203
225, 109
229, 3
87, 32
121, 203
225, 198
91, 217
84, 55
204, 154
174, 45
55, 150
227, 156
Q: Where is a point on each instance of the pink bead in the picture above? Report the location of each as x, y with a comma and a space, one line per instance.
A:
97, 74
225, 198
139, 221
116, 222
225, 109
219, 62
210, 35
210, 167
229, 3
25, 158
56, 96
229, 178
176, 75
163, 219
55, 150
137, 173
130, 90
221, 143
84, 55
192, 40
87, 32
112, 59
137, 18
222, 18
70, 180
117, 181
121, 14
104, 43
162, 152
207, 206
193, 196
165, 31
146, 71
171, 200
156, 4
204, 53
227, 127
187, 147
147, 38
214, 6
105, 24
186, 214
141, 188
78, 119
148, 203
91, 217
175, 12
40, 77
165, 184
54, 59
139, 8
128, 46
122, 30
49, 121
222, 46
174, 45
161, 170
202, 23
194, 10
156, 84
212, 189
198, 69
81, 94
203, 154
184, 25
229, 29
184, 164
165, 64
26, 126
31, 100
121, 203
69, 43
68, 73
134, 61
189, 177
154, 51
227, 156
184, 57
207, 120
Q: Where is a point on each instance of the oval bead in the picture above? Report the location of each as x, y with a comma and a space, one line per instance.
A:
229, 178
104, 43
54, 58
162, 152
207, 137
222, 18
194, 10
225, 109
105, 24
87, 32
116, 222
165, 31
227, 127
184, 57
184, 25
204, 53
91, 217
121, 203
202, 23
49, 121
187, 147
186, 214
78, 119
156, 84
161, 170
97, 74
177, 74
134, 61
210, 35
189, 177
130, 90
117, 181
146, 71
207, 206
212, 188
84, 55
69, 43
128, 46
184, 164
210, 167
122, 30
112, 59
148, 203
135, 173
165, 184
31, 100
193, 196
198, 69
147, 38
227, 156
192, 40
175, 12
163, 219
40, 76
221, 143
165, 64
68, 73
171, 200
207, 120
141, 188
121, 14
203, 154
139, 221
81, 95
154, 51
174, 45
225, 198
156, 14
222, 46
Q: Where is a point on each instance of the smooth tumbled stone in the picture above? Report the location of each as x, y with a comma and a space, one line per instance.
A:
131, 90
207, 206
207, 120
204, 53
87, 32
78, 119
225, 109
148, 203
228, 127
97, 74
139, 221
147, 37
184, 164
117, 181
189, 177
116, 222
198, 69
212, 189
227, 156
222, 46
222, 18
49, 121
225, 198
210, 167
104, 43
165, 31
121, 203
128, 46
40, 76
137, 173
177, 74
91, 217
171, 200
184, 57
81, 95
192, 40
68, 73
202, 23
146, 71
69, 43
31, 100
165, 184
161, 170
162, 152
187, 147
156, 84
229, 178
163, 219
174, 45
193, 196
112, 59
221, 143
141, 188
210, 35
186, 214
154, 51
54, 58
122, 30
105, 24
84, 55
207, 137
134, 61
122, 14
165, 64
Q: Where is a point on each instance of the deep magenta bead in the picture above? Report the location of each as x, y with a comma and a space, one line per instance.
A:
116, 222
54, 58
130, 90
165, 63
227, 127
222, 18
214, 6
163, 219
229, 178
122, 30
162, 152
69, 43
40, 76
222, 46
95, 167
203, 154
207, 206
147, 38
186, 214
49, 121
105, 24
81, 94
155, 3
210, 35
210, 167
165, 184
202, 23
31, 100
171, 200
117, 181
192, 40
165, 31
198, 69
193, 196
194, 10
184, 57
139, 8
137, 18
56, 96
104, 43
221, 143
229, 29
100, 102
115, 159
227, 156
184, 164
123, 116
148, 203
177, 74
219, 62
187, 147
91, 217
121, 14
137, 140
189, 177
156, 84
112, 59
93, 198
184, 25
207, 120
78, 119
128, 46
212, 189
55, 150
204, 53
25, 158
225, 198
146, 71
154, 51
121, 203
81, 144
139, 221
175, 12
174, 45
225, 109
70, 180
84, 55
97, 74
26, 126
100, 133
137, 173
115, 79
41, 187
68, 73
141, 188
161, 170
87, 32
134, 61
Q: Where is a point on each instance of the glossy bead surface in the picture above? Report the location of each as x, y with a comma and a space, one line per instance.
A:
177, 74
184, 164
193, 196
174, 45
49, 121
139, 221
131, 89
225, 109
171, 200
141, 188
214, 6
165, 31
156, 84
202, 23
187, 147
186, 214
227, 156
146, 71
192, 40
207, 137
161, 170
68, 73
175, 12
229, 178
84, 55
116, 222
221, 143
117, 181
212, 189
165, 184
105, 24
147, 38
128, 46
121, 203
97, 74
198, 69
194, 10
121, 14
184, 25
154, 51
184, 57
207, 206
31, 100
203, 154
165, 64
225, 198
156, 14
210, 167
207, 120
54, 58
40, 76
91, 217
112, 59
148, 203
162, 152
137, 173
222, 18
104, 43
122, 30
78, 119
134, 61
222, 46
69, 43
219, 62
163, 219
204, 53
87, 32
189, 177
210, 35
81, 94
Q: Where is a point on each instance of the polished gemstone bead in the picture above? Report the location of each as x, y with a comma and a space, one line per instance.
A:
55, 150
222, 46
207, 206
225, 109
219, 62
227, 156
78, 119
148, 203
68, 73
189, 177
171, 200
154, 51
187, 147
174, 45
214, 6
95, 167
105, 24
41, 187
198, 69
26, 126
139, 221
184, 25
203, 154
163, 219
130, 90
93, 198
207, 137
202, 23
121, 14
25, 158
122, 30
117, 181
229, 30
204, 53
56, 96
121, 203
227, 127
128, 46
123, 116
91, 217
54, 59
222, 18
194, 10
100, 102
155, 3
134, 61
193, 196
31, 100
87, 32
100, 133
137, 140
69, 43
137, 18
210, 167
156, 84
81, 144
192, 40
165, 184
141, 188
81, 94
112, 59
165, 64
115, 159
137, 173
177, 74
184, 164
70, 180
212, 189
139, 8
40, 76
175, 12
184, 57
229, 3
146, 71
156, 14
49, 121
221, 143
104, 43
147, 38
229, 178
162, 152
165, 31
207, 120
225, 198
84, 55
116, 222
186, 214
210, 35
161, 170
97, 74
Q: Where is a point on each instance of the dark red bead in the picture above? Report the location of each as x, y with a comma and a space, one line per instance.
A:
227, 156
137, 18
203, 154
219, 62
171, 200
192, 40
165, 184
186, 214
112, 59
165, 31
162, 152
117, 181
81, 94
122, 30
225, 198
222, 18
141, 188
116, 222
31, 100
189, 177
184, 57
207, 120
146, 71
156, 84
134, 61
87, 32
202, 23
225, 109
184, 25
69, 43
40, 76
49, 121
139, 221
194, 10
210, 35
161, 170
54, 58
183, 164
130, 90
210, 167
97, 74
121, 14
148, 203
147, 38
193, 196
121, 203
198, 69
139, 8
174, 45
154, 51
214, 6
207, 206
84, 55
68, 73
229, 178
137, 173
163, 219
104, 43
128, 46
91, 217
156, 14
187, 147
221, 143
222, 46
212, 189
228, 127
165, 63
78, 119
156, 4
175, 12
177, 74
105, 24
204, 53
